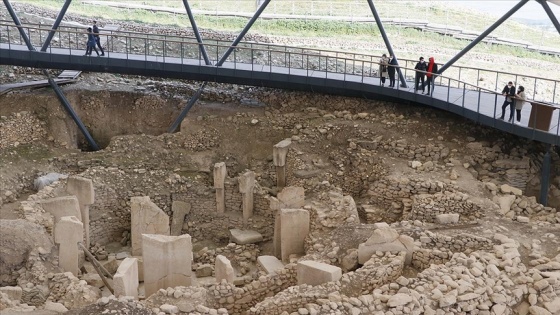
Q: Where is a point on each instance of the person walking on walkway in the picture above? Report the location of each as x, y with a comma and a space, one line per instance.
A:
391, 70
90, 43
421, 66
520, 100
431, 74
509, 93
383, 65
97, 39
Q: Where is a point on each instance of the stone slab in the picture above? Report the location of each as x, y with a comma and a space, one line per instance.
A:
366, 251
315, 273
67, 206
82, 188
270, 264
146, 218
125, 281
14, 293
180, 209
169, 261
447, 218
294, 227
223, 270
243, 237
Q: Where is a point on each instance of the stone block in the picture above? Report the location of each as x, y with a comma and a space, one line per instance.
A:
447, 218
383, 235
290, 197
82, 188
169, 261
180, 209
280, 151
67, 206
315, 273
204, 270
505, 203
93, 279
224, 270
243, 237
507, 189
55, 307
68, 232
146, 218
13, 293
270, 264
220, 174
294, 227
366, 251
125, 281
140, 262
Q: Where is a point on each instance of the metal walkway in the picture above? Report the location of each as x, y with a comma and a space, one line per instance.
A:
286, 68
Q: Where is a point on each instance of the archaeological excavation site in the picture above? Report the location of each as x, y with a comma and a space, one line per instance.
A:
264, 200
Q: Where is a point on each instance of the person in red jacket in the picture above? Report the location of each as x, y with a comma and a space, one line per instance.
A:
431, 73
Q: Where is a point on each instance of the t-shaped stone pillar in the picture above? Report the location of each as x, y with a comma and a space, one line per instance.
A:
82, 188
67, 206
68, 232
220, 173
246, 186
167, 261
279, 153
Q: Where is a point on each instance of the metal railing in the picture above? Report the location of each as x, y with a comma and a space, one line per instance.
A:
174, 45
299, 61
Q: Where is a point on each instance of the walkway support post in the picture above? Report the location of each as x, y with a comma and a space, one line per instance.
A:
18, 23
185, 110
483, 35
386, 40
551, 15
52, 83
197, 33
545, 176
56, 25
243, 32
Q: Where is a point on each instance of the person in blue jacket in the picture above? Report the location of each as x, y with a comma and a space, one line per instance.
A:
90, 43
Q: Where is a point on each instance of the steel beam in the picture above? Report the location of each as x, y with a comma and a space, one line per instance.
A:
64, 101
18, 23
56, 25
197, 33
243, 32
545, 177
187, 108
52, 83
483, 35
386, 40
551, 15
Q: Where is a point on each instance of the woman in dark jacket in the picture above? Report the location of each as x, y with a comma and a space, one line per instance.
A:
90, 43
392, 69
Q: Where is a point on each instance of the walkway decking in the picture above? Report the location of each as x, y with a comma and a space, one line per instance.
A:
478, 106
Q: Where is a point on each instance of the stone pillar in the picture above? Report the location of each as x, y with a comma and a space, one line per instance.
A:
67, 206
125, 281
167, 261
223, 269
220, 174
82, 188
180, 209
69, 231
279, 153
289, 198
146, 218
246, 186
294, 227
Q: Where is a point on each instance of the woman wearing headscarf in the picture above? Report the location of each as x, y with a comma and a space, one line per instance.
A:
431, 73
383, 65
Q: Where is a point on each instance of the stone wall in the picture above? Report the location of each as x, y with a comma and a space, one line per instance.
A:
239, 300
426, 207
462, 242
240, 256
379, 270
390, 199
